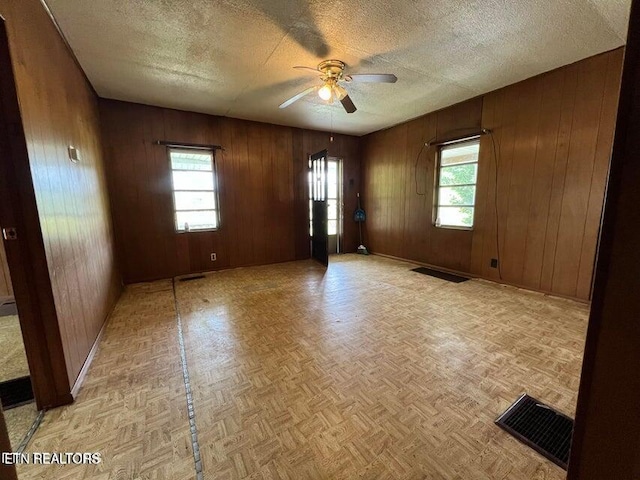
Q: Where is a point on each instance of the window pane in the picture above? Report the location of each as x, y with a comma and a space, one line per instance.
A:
457, 195
197, 220
459, 174
332, 227
195, 200
333, 180
460, 153
455, 216
332, 209
181, 160
192, 180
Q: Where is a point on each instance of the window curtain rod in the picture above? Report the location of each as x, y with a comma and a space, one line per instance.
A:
472, 135
194, 146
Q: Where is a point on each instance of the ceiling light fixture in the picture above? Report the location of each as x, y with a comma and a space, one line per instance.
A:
325, 92
331, 72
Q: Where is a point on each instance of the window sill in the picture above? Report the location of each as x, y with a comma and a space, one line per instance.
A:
197, 230
453, 227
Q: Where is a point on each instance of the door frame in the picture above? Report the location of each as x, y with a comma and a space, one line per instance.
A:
340, 204
26, 255
339, 236
606, 438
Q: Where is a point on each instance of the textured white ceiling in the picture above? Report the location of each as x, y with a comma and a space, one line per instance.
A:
234, 57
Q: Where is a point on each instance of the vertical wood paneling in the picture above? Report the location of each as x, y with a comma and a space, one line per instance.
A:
600, 172
255, 216
546, 144
399, 219
485, 212
58, 109
582, 148
549, 130
553, 136
262, 189
416, 234
518, 188
559, 173
506, 131
241, 197
397, 172
300, 190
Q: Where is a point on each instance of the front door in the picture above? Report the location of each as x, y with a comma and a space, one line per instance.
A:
319, 233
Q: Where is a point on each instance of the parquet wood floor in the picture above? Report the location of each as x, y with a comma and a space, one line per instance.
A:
131, 407
365, 371
13, 359
13, 364
19, 420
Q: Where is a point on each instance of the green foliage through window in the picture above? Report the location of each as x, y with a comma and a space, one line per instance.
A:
457, 177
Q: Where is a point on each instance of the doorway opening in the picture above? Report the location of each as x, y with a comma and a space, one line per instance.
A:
16, 391
331, 176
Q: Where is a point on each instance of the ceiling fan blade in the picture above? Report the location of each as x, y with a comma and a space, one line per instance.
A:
372, 77
348, 104
314, 70
339, 92
297, 97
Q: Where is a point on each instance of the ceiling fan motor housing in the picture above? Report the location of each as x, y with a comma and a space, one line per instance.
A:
332, 69
331, 72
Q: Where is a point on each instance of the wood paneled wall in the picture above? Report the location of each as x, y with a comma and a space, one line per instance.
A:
58, 109
263, 190
398, 189
553, 135
6, 289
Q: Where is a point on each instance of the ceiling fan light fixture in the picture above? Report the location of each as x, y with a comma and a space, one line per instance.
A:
331, 72
339, 92
325, 92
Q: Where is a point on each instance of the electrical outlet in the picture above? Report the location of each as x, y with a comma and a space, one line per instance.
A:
494, 263
213, 257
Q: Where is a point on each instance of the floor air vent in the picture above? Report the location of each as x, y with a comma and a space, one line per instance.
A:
449, 277
16, 392
540, 427
188, 279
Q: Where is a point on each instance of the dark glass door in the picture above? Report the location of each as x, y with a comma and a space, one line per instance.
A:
319, 233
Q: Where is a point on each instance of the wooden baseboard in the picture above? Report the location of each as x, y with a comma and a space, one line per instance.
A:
428, 265
493, 280
87, 363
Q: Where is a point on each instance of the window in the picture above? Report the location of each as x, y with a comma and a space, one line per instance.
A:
195, 195
456, 184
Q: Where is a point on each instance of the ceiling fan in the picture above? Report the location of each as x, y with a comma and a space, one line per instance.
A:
332, 72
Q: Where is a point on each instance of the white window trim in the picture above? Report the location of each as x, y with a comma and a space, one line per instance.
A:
436, 196
215, 188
